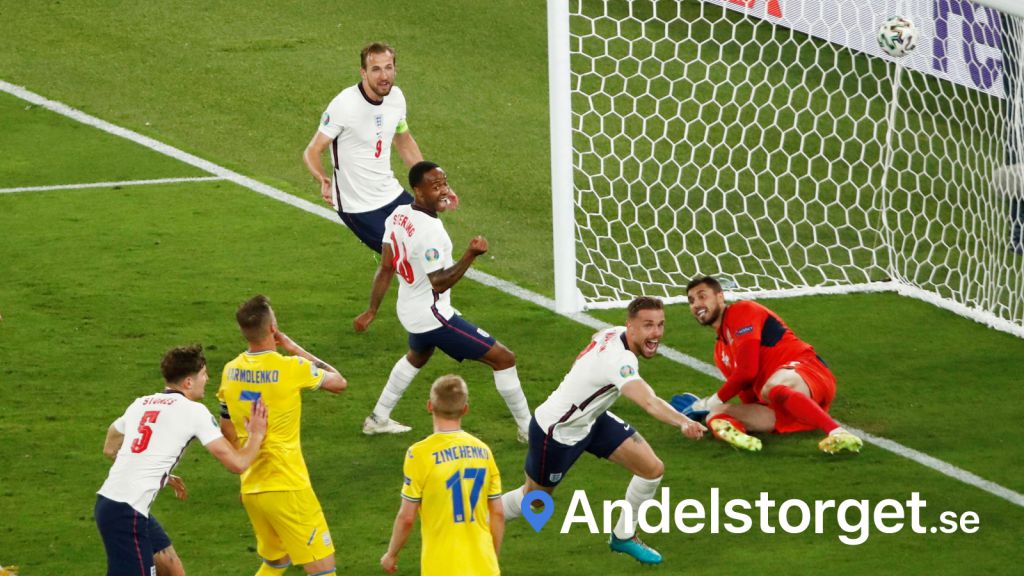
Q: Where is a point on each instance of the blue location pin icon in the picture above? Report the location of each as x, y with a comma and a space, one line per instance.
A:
538, 518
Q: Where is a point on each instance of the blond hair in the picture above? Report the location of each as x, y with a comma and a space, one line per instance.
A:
449, 395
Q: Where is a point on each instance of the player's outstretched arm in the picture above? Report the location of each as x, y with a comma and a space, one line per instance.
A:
442, 280
312, 157
238, 461
497, 523
333, 381
381, 283
112, 444
404, 522
641, 392
408, 149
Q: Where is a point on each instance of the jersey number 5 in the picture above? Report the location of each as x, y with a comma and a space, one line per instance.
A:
142, 442
401, 260
454, 484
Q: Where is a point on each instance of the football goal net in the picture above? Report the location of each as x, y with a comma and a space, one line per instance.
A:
774, 145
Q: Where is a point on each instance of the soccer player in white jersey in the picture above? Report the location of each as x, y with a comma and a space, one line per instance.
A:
418, 249
575, 419
146, 443
360, 125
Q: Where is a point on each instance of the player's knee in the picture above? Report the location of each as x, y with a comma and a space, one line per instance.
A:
654, 469
168, 563
719, 409
504, 358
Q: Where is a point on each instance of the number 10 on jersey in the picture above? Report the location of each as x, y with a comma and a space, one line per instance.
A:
454, 484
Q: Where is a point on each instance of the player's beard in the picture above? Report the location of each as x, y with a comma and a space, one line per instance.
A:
380, 92
712, 316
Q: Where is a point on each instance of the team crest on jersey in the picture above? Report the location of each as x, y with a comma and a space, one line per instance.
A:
431, 254
554, 477
626, 371
325, 119
379, 119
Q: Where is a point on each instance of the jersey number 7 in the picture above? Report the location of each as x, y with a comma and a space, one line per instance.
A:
454, 484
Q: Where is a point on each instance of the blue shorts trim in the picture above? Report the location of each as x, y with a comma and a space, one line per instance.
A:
126, 537
369, 226
548, 461
457, 337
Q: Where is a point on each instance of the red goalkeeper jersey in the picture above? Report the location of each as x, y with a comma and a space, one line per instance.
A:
753, 342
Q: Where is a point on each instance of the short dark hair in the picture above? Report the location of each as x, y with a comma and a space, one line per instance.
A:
375, 48
448, 396
181, 362
418, 171
710, 281
644, 303
253, 317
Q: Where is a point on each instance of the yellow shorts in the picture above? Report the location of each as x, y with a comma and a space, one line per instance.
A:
289, 523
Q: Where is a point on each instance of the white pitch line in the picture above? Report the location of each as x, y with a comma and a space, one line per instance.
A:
120, 184
921, 458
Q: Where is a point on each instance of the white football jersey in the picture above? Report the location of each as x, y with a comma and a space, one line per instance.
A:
156, 429
420, 245
362, 132
590, 388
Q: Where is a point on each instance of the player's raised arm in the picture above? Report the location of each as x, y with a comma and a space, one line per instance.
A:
333, 380
442, 280
641, 392
238, 461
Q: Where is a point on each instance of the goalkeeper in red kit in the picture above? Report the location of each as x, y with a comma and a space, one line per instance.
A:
784, 386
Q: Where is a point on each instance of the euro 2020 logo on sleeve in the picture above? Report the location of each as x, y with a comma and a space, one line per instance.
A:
626, 371
432, 254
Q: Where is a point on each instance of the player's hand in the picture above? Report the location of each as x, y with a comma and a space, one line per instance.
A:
175, 482
283, 341
327, 191
256, 423
389, 563
691, 429
363, 321
477, 246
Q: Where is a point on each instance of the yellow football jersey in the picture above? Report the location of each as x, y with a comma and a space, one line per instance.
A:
452, 475
278, 380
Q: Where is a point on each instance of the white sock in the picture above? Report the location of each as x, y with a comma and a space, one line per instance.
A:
401, 376
507, 383
512, 503
639, 491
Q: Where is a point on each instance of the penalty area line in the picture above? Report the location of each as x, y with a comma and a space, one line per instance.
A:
121, 184
484, 278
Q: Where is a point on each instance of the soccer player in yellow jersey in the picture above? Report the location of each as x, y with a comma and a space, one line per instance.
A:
452, 480
276, 492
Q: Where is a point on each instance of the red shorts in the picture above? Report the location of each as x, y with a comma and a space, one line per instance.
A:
822, 384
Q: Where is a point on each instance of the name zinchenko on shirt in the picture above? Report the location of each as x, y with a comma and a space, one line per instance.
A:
460, 452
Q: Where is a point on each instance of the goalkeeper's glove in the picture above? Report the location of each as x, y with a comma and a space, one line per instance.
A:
706, 404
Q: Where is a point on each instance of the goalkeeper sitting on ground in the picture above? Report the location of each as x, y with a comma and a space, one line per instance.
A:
783, 385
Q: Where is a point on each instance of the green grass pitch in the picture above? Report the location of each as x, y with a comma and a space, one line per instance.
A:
96, 284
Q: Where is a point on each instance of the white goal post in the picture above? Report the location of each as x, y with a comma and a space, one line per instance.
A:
771, 143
